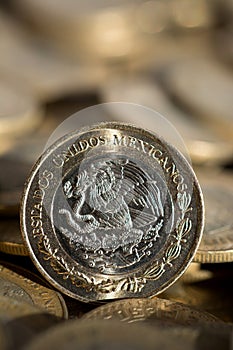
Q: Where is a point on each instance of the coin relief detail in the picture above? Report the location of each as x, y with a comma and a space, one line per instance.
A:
111, 214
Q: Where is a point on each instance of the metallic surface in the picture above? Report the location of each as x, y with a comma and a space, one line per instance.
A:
10, 238
112, 211
113, 335
23, 289
217, 241
156, 310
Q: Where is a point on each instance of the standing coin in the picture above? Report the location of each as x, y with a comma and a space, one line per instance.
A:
21, 288
11, 241
151, 310
112, 211
217, 241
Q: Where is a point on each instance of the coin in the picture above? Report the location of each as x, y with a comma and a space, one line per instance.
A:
3, 339
11, 185
84, 30
213, 86
33, 67
19, 113
217, 241
11, 309
195, 273
10, 238
201, 15
213, 295
126, 213
163, 311
204, 145
21, 322
18, 287
112, 335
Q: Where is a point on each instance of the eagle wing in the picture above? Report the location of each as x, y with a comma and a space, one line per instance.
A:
122, 193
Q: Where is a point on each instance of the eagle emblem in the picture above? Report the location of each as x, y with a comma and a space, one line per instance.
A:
116, 208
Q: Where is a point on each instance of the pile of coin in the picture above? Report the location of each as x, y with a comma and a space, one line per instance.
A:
117, 230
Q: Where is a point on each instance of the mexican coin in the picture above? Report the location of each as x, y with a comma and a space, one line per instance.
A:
112, 211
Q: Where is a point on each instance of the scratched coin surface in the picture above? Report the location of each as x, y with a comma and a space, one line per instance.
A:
217, 241
23, 289
157, 310
112, 211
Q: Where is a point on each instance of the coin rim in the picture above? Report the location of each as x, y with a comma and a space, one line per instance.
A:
97, 127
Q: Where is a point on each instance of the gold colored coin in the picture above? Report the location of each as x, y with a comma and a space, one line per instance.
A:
213, 86
11, 309
104, 335
212, 295
19, 287
217, 241
40, 71
204, 145
11, 241
195, 273
19, 113
151, 310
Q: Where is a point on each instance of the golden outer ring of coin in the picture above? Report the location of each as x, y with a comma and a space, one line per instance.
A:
210, 256
64, 273
133, 310
42, 297
13, 248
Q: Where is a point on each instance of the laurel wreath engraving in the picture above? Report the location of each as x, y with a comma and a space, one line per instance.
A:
130, 284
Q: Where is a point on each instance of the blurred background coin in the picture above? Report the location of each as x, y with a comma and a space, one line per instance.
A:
154, 310
217, 240
21, 322
113, 334
213, 295
19, 113
11, 241
34, 68
204, 145
205, 87
19, 287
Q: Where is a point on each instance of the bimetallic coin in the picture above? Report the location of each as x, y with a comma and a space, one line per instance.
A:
113, 335
112, 211
217, 241
11, 241
23, 289
161, 311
